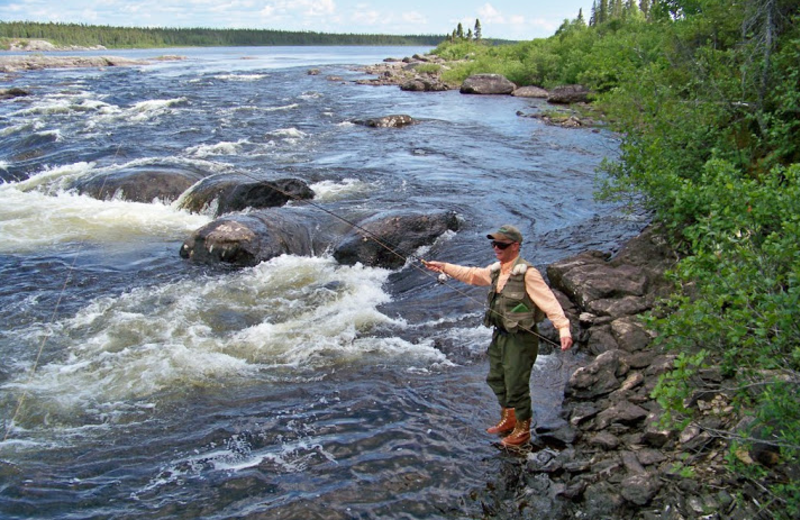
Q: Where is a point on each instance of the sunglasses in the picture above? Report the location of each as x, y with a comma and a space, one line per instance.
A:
501, 245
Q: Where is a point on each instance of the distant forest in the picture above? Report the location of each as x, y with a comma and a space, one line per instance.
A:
67, 34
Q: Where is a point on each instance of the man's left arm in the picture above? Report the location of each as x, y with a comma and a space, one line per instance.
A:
543, 297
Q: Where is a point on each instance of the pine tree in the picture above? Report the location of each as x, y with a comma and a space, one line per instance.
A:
644, 7
460, 31
477, 29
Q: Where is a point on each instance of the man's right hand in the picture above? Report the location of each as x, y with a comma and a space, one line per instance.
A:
433, 265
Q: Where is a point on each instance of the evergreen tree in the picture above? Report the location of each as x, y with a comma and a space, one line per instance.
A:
477, 29
644, 7
460, 31
603, 16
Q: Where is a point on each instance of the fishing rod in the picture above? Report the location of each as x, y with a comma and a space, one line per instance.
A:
441, 279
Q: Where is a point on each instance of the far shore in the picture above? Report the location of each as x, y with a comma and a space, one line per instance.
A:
21, 63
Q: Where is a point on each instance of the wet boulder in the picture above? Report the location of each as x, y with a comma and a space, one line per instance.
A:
393, 121
228, 193
243, 240
164, 183
487, 84
387, 239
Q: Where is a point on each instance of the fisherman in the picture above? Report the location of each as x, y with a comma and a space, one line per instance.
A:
518, 299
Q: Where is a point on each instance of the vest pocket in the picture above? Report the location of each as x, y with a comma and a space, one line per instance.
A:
513, 321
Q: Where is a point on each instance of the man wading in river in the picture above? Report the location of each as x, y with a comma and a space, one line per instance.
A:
517, 297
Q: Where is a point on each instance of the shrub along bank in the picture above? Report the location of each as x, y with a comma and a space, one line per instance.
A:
705, 95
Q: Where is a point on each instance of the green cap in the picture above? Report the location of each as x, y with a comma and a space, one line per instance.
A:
507, 233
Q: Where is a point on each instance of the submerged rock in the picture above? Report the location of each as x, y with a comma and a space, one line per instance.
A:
393, 121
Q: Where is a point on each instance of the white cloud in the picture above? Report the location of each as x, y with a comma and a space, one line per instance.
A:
367, 17
488, 13
415, 18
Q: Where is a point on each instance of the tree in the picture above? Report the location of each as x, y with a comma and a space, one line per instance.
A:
477, 32
460, 31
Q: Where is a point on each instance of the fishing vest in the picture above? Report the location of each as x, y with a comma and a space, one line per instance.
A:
511, 309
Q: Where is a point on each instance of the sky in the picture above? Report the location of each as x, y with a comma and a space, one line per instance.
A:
506, 19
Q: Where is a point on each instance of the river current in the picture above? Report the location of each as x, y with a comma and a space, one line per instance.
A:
135, 384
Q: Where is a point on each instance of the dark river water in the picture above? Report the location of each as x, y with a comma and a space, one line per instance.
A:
134, 384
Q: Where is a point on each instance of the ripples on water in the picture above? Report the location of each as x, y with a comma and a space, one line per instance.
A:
143, 386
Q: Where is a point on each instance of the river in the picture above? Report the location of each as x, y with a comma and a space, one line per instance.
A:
135, 384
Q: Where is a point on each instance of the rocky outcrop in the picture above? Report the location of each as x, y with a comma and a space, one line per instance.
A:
388, 239
38, 62
420, 73
393, 121
490, 84
165, 183
36, 45
21, 63
228, 193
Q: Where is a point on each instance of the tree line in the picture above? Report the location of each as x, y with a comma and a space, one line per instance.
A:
68, 34
705, 97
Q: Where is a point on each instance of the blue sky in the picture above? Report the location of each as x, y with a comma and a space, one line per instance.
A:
518, 19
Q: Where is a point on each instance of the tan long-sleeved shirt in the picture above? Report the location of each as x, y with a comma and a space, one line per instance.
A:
538, 290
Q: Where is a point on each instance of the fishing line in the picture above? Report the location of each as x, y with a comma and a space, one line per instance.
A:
392, 249
61, 293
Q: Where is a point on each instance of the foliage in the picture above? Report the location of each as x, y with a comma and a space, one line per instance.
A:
129, 37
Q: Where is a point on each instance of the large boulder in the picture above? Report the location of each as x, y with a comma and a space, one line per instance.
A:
487, 84
387, 239
164, 183
567, 94
228, 193
244, 240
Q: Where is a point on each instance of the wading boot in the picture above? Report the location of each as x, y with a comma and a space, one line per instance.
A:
520, 435
508, 419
